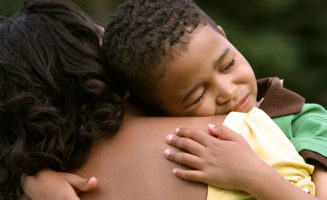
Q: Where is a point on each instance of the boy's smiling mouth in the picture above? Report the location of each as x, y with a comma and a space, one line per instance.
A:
242, 105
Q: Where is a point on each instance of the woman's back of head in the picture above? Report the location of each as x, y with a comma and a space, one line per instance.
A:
54, 96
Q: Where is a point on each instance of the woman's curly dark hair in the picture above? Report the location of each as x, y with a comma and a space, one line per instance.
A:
139, 38
54, 95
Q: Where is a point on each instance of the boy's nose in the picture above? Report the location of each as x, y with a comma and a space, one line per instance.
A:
225, 92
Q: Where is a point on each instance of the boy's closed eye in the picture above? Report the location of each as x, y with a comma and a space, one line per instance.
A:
197, 99
229, 65
225, 68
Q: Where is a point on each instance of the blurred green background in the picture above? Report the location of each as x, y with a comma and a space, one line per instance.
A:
284, 38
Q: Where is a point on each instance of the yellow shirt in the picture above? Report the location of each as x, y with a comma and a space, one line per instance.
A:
271, 145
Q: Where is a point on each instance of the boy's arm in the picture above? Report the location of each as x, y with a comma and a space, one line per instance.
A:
217, 162
320, 179
52, 185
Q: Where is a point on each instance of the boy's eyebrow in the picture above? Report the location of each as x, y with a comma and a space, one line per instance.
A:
221, 57
219, 60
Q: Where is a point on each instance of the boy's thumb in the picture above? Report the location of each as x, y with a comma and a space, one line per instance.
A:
222, 132
81, 184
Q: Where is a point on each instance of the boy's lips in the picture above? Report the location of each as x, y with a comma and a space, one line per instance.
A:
242, 105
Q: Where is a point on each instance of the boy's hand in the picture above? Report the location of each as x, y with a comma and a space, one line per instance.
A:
52, 185
223, 159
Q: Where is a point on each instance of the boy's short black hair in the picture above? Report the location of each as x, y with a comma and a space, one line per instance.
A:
140, 36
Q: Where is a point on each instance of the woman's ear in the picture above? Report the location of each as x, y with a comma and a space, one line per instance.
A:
221, 30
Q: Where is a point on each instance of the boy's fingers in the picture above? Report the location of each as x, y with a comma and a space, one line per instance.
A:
191, 175
199, 137
183, 158
81, 184
185, 144
223, 132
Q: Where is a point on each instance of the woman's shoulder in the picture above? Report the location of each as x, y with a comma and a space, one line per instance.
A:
131, 164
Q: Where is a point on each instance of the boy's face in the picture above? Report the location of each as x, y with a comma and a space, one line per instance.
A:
211, 77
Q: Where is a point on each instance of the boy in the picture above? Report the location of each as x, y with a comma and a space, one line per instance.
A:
172, 58
184, 65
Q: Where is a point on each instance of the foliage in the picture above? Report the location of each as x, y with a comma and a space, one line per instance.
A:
8, 7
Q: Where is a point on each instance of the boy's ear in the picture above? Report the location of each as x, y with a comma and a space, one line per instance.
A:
100, 43
101, 33
222, 31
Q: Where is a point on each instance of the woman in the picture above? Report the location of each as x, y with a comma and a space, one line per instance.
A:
54, 96
55, 102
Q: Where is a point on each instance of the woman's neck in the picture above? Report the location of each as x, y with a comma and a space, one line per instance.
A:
132, 111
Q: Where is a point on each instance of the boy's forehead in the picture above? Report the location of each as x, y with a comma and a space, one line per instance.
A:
203, 49
185, 42
198, 39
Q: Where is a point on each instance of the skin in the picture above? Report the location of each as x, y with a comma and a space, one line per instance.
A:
140, 170
320, 178
210, 78
43, 184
